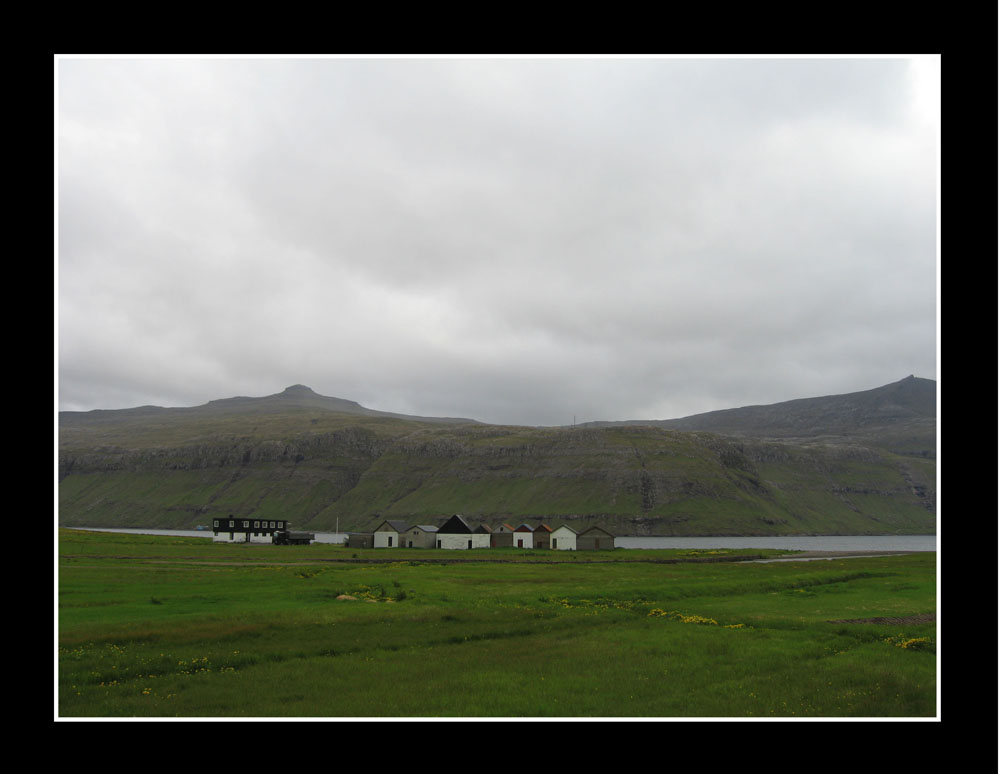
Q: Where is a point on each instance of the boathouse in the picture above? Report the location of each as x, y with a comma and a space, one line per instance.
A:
389, 533
524, 537
595, 539
563, 539
541, 535
458, 533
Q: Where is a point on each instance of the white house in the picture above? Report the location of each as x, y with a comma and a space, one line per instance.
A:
234, 529
458, 533
563, 539
524, 537
388, 534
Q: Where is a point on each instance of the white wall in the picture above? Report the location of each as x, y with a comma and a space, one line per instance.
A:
565, 540
382, 539
462, 541
527, 537
223, 537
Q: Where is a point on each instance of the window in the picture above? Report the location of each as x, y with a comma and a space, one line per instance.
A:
256, 524
230, 522
246, 525
272, 525
215, 523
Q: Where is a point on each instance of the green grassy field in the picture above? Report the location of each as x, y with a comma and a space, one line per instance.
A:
152, 626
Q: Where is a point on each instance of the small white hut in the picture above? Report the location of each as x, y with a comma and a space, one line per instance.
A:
563, 539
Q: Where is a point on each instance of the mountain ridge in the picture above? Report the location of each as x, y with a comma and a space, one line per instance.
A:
296, 396
867, 415
321, 461
919, 401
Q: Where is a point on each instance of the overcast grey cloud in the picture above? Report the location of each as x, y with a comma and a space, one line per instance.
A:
515, 240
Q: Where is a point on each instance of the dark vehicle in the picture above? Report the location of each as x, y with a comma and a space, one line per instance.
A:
286, 537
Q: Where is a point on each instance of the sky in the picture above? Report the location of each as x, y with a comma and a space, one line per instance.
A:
517, 240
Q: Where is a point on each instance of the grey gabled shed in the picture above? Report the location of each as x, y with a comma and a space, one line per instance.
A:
595, 539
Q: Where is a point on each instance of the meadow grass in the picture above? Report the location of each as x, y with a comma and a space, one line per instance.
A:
152, 627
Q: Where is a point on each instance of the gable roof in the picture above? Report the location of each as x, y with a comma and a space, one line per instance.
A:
595, 528
425, 527
456, 525
396, 524
566, 527
524, 528
543, 528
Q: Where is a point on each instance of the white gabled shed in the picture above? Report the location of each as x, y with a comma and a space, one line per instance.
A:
388, 534
563, 539
524, 537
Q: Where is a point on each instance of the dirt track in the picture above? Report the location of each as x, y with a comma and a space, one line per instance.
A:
805, 555
839, 554
909, 620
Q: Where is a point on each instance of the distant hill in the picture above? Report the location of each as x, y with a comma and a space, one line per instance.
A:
296, 397
853, 464
900, 416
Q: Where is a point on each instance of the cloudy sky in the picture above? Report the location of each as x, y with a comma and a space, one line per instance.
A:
515, 240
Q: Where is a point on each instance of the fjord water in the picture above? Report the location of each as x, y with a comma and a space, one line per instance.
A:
797, 543
794, 543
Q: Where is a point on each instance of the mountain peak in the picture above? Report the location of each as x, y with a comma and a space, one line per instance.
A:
297, 390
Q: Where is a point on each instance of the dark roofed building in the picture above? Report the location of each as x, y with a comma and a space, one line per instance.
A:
457, 532
360, 539
524, 537
456, 525
541, 536
595, 539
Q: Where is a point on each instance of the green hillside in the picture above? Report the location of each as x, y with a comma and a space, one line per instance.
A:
321, 467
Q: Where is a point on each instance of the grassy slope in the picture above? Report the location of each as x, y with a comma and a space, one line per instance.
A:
319, 470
